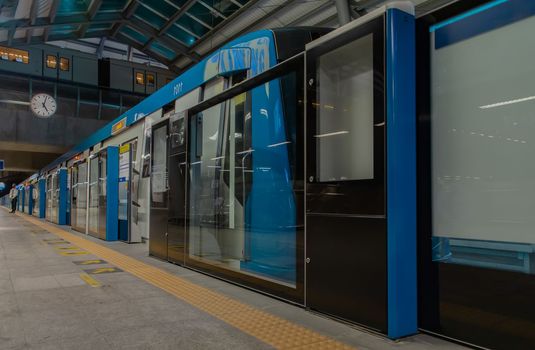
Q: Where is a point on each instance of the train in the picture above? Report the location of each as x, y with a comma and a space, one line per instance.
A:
51, 62
213, 170
347, 171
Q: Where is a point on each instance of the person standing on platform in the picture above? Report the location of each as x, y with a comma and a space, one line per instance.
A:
13, 194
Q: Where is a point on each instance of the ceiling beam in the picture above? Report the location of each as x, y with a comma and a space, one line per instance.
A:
168, 41
33, 16
236, 3
223, 24
51, 18
176, 16
91, 12
249, 27
139, 46
170, 22
214, 10
127, 13
201, 22
71, 20
100, 47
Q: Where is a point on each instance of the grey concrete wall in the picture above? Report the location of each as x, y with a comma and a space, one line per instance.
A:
18, 125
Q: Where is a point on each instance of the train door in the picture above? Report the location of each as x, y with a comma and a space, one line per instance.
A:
74, 195
68, 202
102, 198
36, 198
345, 192
158, 191
97, 196
129, 177
361, 172
79, 196
48, 200
92, 217
176, 217
52, 198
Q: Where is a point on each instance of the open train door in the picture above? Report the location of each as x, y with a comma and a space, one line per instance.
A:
159, 191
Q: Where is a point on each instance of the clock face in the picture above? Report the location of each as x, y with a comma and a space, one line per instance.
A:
43, 105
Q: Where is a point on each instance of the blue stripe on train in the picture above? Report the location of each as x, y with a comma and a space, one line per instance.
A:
480, 20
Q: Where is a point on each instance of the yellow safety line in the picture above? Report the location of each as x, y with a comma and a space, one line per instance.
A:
90, 280
262, 325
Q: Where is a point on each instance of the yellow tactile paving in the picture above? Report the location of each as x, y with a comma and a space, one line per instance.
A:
266, 327
90, 280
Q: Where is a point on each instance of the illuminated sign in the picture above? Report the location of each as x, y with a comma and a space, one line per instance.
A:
118, 127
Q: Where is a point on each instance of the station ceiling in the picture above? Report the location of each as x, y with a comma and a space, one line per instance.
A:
175, 33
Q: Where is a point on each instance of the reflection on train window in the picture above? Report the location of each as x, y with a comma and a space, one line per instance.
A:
14, 55
145, 157
51, 61
64, 64
150, 79
140, 78
482, 128
242, 199
345, 112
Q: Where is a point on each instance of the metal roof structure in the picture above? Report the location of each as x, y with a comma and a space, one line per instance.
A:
175, 33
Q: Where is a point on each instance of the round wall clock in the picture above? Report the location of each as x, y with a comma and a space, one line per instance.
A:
43, 105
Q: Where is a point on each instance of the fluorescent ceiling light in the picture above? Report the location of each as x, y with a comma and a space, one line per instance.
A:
505, 103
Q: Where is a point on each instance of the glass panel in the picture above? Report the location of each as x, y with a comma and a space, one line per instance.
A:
140, 78
135, 184
112, 5
150, 79
35, 194
124, 179
482, 129
134, 34
150, 17
162, 50
242, 204
145, 171
205, 14
102, 198
93, 196
180, 35
51, 61
81, 196
64, 64
159, 166
345, 112
14, 55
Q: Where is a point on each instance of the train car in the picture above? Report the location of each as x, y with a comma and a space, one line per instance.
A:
60, 64
282, 155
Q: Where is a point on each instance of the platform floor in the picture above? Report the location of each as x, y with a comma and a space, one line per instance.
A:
60, 289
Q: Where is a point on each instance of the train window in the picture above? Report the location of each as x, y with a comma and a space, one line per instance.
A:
151, 80
140, 78
51, 61
14, 55
64, 64
145, 157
